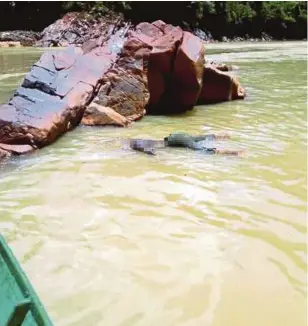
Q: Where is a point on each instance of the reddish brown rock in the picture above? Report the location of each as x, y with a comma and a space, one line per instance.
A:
161, 61
17, 149
186, 77
54, 95
164, 41
98, 115
77, 28
152, 31
218, 86
189, 61
175, 66
124, 93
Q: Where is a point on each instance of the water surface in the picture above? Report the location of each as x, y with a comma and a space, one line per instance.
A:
116, 238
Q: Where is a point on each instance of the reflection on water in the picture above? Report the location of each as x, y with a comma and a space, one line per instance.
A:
112, 237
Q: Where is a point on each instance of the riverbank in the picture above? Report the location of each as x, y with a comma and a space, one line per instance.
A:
18, 38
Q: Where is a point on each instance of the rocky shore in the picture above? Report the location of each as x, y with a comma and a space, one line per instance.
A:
19, 38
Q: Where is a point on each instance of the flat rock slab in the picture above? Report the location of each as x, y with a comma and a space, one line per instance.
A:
53, 96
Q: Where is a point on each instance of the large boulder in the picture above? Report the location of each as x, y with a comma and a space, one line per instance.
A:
53, 96
185, 82
123, 94
175, 61
219, 86
161, 62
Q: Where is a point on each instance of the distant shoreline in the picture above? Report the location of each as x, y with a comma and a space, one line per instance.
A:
14, 41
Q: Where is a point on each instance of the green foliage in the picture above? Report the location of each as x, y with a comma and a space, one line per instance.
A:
281, 19
208, 7
198, 7
239, 11
96, 8
288, 11
272, 10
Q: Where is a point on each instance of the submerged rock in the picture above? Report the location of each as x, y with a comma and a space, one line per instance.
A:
219, 86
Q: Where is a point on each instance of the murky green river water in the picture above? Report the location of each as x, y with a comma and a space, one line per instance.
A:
111, 237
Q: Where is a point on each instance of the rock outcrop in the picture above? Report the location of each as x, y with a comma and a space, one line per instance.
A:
112, 79
218, 86
10, 44
76, 28
123, 94
53, 96
18, 38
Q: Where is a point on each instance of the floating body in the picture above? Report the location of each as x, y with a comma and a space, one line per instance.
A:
184, 140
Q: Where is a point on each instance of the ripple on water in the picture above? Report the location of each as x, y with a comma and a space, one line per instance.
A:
130, 239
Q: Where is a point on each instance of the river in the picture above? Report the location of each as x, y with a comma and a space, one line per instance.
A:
113, 237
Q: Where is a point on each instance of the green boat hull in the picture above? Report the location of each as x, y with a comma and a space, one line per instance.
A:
19, 303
